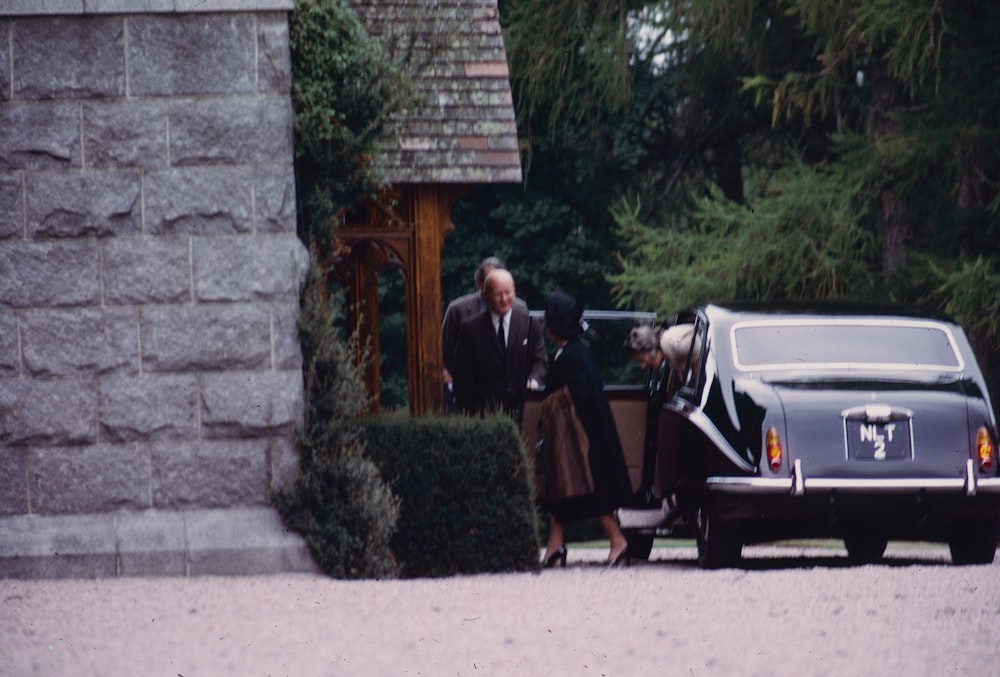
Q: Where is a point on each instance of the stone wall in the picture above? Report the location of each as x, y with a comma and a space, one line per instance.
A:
150, 370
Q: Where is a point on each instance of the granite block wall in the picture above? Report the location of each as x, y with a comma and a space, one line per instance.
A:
149, 275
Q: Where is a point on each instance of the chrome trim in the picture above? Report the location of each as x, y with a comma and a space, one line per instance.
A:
970, 478
799, 486
877, 412
637, 315
798, 480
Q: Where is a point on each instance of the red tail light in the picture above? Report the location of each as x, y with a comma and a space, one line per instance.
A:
774, 452
984, 449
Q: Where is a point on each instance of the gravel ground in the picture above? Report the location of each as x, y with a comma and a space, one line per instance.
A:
790, 611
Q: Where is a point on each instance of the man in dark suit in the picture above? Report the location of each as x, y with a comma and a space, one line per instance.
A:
458, 311
499, 354
461, 309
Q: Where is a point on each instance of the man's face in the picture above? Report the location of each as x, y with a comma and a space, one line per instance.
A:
498, 291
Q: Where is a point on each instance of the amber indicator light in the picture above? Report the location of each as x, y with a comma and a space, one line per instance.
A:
984, 449
774, 453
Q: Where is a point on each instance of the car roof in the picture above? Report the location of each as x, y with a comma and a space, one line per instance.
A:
735, 311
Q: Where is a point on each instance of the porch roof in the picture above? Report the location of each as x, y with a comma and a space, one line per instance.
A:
463, 129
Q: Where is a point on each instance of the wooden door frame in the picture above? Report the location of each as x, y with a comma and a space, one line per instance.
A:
404, 228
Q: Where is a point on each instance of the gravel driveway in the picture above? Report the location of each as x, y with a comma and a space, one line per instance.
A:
791, 611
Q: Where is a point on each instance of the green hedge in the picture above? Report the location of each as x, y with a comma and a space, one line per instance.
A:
466, 503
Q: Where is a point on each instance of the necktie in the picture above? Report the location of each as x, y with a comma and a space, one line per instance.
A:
503, 341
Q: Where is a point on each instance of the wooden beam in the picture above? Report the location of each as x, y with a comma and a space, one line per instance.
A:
431, 217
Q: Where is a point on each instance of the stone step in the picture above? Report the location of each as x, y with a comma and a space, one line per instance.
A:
224, 542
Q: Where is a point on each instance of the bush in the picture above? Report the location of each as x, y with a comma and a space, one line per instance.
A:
346, 91
465, 491
340, 503
345, 512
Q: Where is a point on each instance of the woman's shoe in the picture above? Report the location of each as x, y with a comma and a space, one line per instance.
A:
558, 557
619, 559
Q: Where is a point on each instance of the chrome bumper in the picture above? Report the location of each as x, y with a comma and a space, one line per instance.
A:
799, 485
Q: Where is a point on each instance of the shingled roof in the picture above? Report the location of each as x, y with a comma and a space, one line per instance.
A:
463, 130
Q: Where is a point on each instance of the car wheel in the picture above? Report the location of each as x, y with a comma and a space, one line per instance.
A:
974, 541
639, 546
719, 544
864, 548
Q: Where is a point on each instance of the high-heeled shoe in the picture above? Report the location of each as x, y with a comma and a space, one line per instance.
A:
559, 556
619, 559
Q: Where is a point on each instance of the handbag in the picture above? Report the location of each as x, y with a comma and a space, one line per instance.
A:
562, 461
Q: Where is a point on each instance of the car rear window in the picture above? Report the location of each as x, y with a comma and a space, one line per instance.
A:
844, 344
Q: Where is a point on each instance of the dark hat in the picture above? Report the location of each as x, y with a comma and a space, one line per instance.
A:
562, 315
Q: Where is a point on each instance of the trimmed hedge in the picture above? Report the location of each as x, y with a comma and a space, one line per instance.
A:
464, 485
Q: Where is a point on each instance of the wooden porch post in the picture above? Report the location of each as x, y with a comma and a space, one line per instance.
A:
431, 218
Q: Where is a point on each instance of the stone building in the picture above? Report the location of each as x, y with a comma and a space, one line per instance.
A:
150, 370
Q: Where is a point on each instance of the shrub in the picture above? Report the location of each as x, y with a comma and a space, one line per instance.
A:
346, 90
465, 491
339, 503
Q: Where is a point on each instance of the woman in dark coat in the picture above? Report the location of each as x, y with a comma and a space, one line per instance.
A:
574, 365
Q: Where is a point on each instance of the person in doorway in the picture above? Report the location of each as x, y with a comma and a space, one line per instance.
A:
499, 354
664, 351
649, 346
574, 365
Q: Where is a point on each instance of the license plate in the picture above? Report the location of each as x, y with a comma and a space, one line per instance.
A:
878, 441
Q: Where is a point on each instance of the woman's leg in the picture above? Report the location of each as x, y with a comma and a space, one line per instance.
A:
556, 537
619, 544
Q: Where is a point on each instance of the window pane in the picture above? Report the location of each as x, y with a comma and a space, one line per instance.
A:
841, 344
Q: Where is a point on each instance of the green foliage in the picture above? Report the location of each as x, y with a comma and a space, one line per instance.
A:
393, 372
465, 490
547, 238
556, 231
971, 294
346, 90
568, 59
798, 239
900, 39
339, 503
345, 511
334, 382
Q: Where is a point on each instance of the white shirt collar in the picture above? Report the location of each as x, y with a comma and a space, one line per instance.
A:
505, 318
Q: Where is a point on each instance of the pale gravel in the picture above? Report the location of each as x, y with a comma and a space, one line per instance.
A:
791, 611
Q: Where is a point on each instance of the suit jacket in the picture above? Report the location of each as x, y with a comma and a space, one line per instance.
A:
457, 312
488, 378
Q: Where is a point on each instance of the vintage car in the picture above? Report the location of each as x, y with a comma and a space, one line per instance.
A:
861, 424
